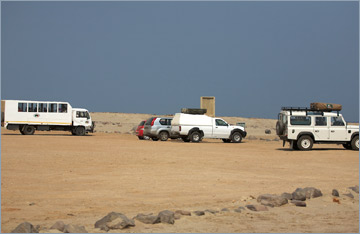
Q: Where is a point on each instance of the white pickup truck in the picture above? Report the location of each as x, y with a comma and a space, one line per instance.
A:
194, 128
28, 116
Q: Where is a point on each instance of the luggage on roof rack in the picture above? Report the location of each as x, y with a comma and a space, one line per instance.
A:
193, 111
320, 106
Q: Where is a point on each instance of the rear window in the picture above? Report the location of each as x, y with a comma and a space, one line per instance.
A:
148, 121
300, 120
142, 123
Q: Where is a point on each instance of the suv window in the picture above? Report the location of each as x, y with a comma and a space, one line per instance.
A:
337, 121
300, 120
22, 107
165, 121
320, 121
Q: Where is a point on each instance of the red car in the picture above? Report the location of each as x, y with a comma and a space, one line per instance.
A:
140, 131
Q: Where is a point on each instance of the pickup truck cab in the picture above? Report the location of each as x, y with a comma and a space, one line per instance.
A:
194, 128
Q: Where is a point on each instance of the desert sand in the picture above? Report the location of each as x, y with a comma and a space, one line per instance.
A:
53, 176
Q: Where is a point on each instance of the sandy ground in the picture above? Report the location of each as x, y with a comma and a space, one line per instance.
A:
55, 176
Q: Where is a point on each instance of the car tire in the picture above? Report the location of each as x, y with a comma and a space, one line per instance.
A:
355, 143
141, 138
236, 137
279, 128
185, 139
28, 130
226, 140
305, 143
80, 131
295, 147
155, 139
347, 146
163, 136
195, 137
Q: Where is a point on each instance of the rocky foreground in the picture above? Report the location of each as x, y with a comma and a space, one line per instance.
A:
117, 221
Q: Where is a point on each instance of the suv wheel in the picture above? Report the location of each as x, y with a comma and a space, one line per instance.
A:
195, 136
347, 146
185, 139
305, 143
355, 143
226, 140
155, 139
236, 137
164, 136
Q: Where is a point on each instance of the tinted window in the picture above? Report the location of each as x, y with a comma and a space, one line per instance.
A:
32, 107
163, 121
320, 121
82, 114
220, 122
22, 107
42, 107
142, 123
337, 121
148, 121
300, 120
62, 108
53, 107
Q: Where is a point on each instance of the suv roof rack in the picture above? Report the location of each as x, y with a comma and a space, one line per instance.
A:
291, 109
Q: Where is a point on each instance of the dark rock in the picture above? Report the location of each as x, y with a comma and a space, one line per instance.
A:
299, 203
114, 220
211, 211
272, 200
257, 207
225, 210
299, 194
302, 194
183, 212
59, 225
355, 189
288, 196
74, 229
147, 218
267, 131
312, 192
167, 216
349, 195
25, 228
238, 210
335, 193
199, 212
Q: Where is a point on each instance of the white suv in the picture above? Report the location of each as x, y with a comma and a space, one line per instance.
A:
302, 127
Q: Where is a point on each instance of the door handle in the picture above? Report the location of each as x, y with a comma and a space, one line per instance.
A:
332, 130
316, 130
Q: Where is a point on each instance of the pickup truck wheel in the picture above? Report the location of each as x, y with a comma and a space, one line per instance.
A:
185, 139
236, 137
28, 130
155, 139
80, 131
305, 143
226, 140
355, 143
347, 146
164, 136
195, 136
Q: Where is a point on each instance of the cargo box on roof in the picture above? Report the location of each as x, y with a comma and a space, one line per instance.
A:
320, 106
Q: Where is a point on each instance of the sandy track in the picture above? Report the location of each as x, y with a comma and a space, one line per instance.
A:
51, 177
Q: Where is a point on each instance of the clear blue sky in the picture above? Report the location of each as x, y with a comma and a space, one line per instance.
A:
158, 57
